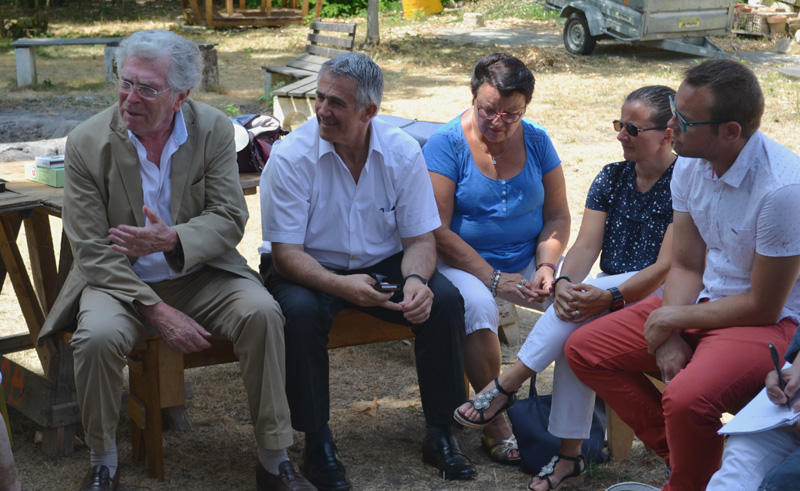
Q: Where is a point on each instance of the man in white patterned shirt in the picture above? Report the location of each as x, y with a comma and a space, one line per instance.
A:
732, 288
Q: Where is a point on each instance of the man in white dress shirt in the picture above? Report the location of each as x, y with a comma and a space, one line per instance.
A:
343, 196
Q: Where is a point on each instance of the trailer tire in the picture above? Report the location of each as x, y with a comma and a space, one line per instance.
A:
577, 37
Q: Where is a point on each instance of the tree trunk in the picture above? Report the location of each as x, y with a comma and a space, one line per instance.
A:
373, 29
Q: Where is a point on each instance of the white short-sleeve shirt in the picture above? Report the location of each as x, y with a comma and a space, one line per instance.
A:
309, 197
753, 207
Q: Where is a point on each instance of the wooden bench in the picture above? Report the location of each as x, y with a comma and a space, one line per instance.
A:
157, 382
25, 57
326, 40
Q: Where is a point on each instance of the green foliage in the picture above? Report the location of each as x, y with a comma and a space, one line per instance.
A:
267, 97
353, 8
231, 110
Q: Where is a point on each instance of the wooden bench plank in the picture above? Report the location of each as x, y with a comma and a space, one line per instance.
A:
36, 42
297, 89
346, 43
316, 49
318, 25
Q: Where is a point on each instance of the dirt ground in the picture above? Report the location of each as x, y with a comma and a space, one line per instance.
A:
376, 417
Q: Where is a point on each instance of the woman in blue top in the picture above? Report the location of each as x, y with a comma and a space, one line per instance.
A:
627, 222
502, 199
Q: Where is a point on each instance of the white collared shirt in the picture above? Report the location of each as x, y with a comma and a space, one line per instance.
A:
157, 194
753, 207
309, 197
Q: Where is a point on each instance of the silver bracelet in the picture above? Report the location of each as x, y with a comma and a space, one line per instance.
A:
495, 280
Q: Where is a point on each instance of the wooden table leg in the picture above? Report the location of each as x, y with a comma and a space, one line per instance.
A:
28, 300
43, 261
16, 224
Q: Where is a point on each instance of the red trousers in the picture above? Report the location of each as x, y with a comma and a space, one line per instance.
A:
727, 369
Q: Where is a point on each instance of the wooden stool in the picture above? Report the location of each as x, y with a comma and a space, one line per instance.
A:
156, 376
620, 435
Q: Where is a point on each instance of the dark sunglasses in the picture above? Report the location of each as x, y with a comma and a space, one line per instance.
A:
631, 128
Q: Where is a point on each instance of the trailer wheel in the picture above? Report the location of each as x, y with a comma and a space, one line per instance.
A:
577, 37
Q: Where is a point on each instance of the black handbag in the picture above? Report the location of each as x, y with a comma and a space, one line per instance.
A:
529, 420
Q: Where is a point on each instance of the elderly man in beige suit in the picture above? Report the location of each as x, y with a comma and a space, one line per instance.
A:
154, 210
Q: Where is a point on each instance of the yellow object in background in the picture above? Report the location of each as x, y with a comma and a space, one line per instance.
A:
412, 8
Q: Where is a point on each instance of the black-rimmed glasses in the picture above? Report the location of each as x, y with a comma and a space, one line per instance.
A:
489, 114
682, 123
145, 92
632, 129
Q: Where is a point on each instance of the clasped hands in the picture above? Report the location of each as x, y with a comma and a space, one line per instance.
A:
578, 302
662, 333
417, 297
515, 287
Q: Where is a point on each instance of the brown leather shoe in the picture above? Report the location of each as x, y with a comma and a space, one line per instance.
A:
98, 479
288, 478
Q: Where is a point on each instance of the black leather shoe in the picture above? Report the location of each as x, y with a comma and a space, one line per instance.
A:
323, 469
444, 453
288, 479
98, 479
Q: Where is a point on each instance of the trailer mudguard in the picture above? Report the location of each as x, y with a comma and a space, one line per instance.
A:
594, 16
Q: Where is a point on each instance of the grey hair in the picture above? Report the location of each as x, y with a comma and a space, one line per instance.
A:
186, 69
365, 71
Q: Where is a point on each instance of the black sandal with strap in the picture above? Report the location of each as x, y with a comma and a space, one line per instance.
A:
578, 470
482, 402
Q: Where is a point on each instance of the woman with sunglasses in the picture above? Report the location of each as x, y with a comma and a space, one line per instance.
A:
502, 199
627, 223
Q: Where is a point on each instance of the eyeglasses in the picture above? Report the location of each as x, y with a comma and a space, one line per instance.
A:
682, 123
145, 92
632, 129
507, 118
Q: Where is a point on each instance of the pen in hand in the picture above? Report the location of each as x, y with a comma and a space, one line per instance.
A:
781, 381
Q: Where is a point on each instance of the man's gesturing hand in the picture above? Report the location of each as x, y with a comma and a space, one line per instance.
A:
156, 236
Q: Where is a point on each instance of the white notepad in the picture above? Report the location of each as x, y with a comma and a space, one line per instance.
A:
760, 414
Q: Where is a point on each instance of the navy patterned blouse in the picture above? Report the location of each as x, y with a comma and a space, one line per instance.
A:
636, 221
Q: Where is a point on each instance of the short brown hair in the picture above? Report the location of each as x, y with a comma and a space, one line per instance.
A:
736, 93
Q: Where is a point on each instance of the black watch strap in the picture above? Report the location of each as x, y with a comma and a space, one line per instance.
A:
419, 277
617, 300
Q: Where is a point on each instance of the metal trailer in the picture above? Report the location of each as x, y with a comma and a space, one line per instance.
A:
675, 25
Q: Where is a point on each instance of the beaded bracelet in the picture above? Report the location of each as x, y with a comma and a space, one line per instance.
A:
549, 265
495, 280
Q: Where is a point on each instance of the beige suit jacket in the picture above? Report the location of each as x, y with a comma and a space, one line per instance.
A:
103, 189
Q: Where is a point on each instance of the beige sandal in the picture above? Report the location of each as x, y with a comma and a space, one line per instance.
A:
500, 450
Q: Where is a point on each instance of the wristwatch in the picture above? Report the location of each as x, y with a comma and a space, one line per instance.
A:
617, 302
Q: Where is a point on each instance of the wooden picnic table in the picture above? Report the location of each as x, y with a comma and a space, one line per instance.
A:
48, 398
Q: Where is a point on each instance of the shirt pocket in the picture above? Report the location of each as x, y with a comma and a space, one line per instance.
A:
380, 226
740, 244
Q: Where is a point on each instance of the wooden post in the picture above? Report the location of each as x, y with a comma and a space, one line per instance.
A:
209, 13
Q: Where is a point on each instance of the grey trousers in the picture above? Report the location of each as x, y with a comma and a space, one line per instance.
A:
228, 306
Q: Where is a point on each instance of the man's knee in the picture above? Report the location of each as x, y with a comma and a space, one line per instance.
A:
446, 297
101, 335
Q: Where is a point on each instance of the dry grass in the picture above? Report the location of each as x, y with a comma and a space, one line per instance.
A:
376, 416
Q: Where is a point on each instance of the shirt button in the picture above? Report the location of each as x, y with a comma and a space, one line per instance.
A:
504, 201
504, 208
